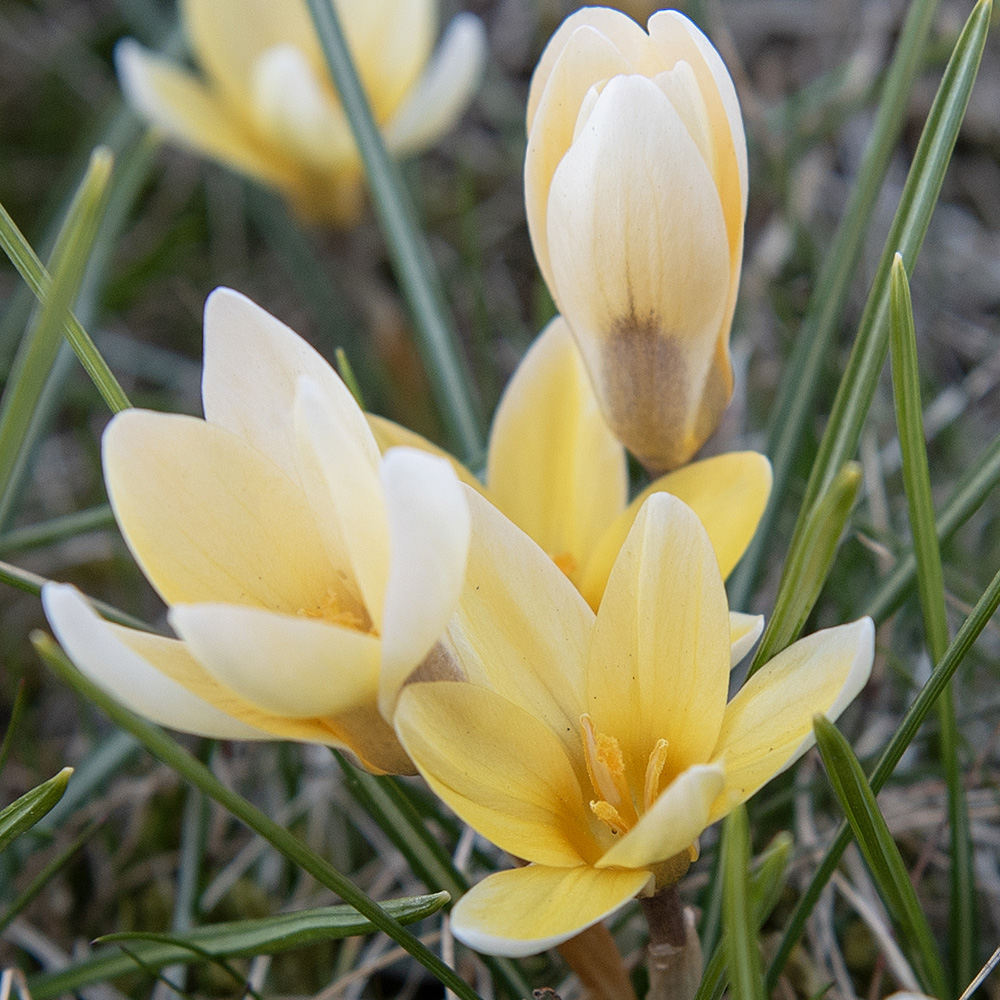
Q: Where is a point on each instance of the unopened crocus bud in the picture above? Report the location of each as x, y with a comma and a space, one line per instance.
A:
636, 190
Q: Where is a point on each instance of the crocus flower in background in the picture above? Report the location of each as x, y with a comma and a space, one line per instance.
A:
297, 563
598, 749
636, 191
556, 470
264, 103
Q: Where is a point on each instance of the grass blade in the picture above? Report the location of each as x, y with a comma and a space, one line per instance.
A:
173, 755
930, 584
437, 338
797, 392
920, 193
268, 935
23, 813
881, 854
901, 739
746, 981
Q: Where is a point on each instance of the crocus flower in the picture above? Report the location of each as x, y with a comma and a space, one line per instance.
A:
297, 563
636, 189
598, 748
557, 471
264, 103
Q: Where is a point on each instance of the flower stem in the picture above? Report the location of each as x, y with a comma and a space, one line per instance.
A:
674, 952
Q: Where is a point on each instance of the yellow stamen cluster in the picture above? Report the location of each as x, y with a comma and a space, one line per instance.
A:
615, 806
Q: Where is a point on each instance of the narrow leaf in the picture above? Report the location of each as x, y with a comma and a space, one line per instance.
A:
25, 812
746, 980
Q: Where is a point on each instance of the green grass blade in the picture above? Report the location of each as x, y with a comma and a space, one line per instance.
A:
973, 487
808, 565
158, 743
437, 338
37, 352
881, 855
973, 625
793, 406
265, 936
767, 880
57, 529
920, 193
746, 981
16, 712
23, 813
386, 801
39, 281
930, 584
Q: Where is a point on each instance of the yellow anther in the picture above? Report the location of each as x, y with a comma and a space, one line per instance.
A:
606, 768
654, 771
608, 815
566, 562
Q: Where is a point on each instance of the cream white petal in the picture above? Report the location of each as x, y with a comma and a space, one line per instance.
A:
340, 471
527, 910
298, 667
744, 631
297, 111
252, 365
429, 529
437, 100
768, 725
91, 643
676, 819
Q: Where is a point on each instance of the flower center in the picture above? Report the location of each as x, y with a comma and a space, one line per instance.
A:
339, 609
615, 805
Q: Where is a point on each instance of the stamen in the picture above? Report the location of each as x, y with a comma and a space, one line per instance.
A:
606, 768
654, 770
609, 815
565, 562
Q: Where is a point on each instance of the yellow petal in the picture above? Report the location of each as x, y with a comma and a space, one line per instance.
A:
591, 56
428, 521
527, 910
436, 101
555, 469
521, 627
768, 725
676, 820
132, 678
659, 662
389, 434
340, 465
502, 770
299, 667
209, 518
177, 102
641, 269
727, 492
744, 631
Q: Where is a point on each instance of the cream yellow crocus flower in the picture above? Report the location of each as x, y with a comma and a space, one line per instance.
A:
598, 748
264, 103
297, 563
636, 189
557, 471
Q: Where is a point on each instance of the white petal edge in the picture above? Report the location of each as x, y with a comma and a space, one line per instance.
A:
128, 677
429, 530
744, 631
436, 101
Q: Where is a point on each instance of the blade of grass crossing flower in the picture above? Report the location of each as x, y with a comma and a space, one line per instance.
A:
437, 338
797, 392
23, 813
39, 280
930, 584
57, 529
973, 487
386, 801
265, 936
746, 980
881, 854
37, 352
942, 673
808, 565
171, 753
909, 225
767, 880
